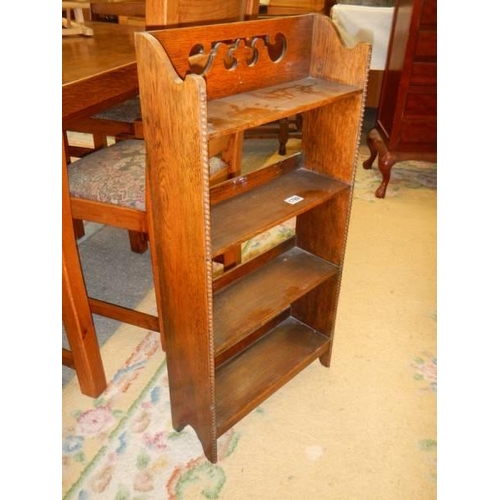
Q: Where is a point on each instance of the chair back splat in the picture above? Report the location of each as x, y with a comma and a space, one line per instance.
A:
161, 13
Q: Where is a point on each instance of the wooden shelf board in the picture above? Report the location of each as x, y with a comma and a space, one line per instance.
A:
240, 112
237, 219
246, 305
250, 378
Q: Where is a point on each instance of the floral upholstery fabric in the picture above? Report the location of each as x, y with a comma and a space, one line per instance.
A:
116, 174
127, 111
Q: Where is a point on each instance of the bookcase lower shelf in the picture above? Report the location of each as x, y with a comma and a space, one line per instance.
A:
245, 381
245, 307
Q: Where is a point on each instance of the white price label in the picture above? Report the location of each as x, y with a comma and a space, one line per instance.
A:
293, 200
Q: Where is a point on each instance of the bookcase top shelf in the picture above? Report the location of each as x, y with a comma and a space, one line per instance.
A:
253, 108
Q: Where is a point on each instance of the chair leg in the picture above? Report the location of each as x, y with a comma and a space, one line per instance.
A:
298, 122
283, 135
232, 155
78, 228
100, 141
138, 241
231, 258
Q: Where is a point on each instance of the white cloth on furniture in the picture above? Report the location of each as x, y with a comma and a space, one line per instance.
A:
358, 23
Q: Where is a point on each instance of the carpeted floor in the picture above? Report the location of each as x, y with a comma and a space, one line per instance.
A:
365, 428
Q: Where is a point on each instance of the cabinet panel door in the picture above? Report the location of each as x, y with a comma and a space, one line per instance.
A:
429, 12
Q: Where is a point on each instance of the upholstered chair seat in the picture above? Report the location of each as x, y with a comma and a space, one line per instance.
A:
116, 174
127, 111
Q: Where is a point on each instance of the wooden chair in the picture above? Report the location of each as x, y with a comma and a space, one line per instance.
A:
123, 11
73, 18
107, 186
158, 13
119, 121
287, 128
83, 355
122, 121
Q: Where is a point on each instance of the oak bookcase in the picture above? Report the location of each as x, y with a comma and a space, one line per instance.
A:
233, 340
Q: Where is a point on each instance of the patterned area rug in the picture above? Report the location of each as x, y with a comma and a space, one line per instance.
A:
364, 428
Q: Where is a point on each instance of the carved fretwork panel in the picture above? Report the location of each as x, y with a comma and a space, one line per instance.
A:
232, 54
237, 62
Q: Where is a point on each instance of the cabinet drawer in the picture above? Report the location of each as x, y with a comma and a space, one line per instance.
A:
423, 73
418, 136
426, 44
419, 104
429, 13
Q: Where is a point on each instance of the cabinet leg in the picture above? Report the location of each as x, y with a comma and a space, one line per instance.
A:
385, 164
373, 141
386, 160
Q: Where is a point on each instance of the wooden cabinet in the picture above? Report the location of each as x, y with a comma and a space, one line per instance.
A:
233, 340
406, 127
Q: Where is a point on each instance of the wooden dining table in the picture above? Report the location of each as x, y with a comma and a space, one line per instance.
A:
97, 72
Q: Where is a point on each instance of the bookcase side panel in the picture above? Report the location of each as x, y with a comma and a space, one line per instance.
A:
174, 119
332, 60
323, 230
333, 131
331, 136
